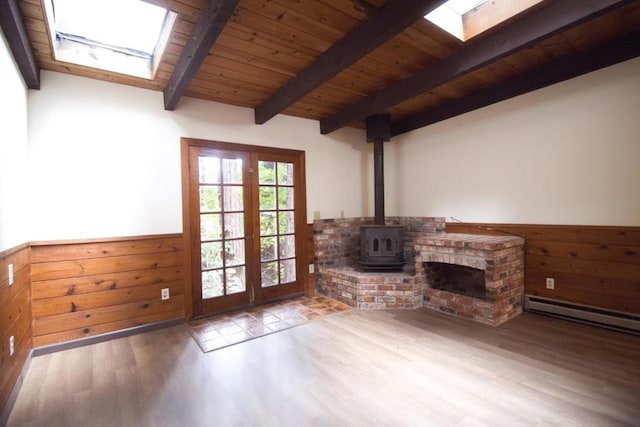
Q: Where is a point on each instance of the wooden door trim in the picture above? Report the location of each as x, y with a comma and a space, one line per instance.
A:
222, 145
185, 145
186, 228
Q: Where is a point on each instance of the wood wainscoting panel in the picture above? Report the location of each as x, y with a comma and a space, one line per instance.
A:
310, 256
592, 265
15, 318
86, 288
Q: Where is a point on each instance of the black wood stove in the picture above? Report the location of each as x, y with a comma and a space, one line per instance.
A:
381, 245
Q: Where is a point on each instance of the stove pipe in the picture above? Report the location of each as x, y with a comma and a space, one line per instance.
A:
378, 131
381, 245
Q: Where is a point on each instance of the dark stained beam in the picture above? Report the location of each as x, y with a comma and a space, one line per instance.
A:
365, 7
210, 24
553, 18
558, 71
16, 34
383, 25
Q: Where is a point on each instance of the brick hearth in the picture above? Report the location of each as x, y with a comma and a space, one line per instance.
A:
367, 290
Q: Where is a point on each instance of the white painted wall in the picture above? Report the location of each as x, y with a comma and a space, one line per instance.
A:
566, 154
13, 151
105, 158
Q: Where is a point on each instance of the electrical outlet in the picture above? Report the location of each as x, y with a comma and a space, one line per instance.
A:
10, 274
164, 294
312, 268
551, 283
12, 348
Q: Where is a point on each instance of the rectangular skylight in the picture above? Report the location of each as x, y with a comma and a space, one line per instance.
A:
468, 18
114, 35
463, 6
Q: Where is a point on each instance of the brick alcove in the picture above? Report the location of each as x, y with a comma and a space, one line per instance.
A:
500, 257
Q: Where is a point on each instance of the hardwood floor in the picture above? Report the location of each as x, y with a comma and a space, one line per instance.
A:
354, 368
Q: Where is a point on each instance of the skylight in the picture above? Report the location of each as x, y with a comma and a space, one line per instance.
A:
463, 6
126, 36
468, 18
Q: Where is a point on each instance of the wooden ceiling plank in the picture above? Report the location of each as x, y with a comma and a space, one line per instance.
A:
391, 19
539, 24
555, 72
16, 34
209, 26
292, 17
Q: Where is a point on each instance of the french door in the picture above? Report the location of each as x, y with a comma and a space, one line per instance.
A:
246, 219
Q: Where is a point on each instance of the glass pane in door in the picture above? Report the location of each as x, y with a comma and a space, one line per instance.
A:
222, 244
277, 228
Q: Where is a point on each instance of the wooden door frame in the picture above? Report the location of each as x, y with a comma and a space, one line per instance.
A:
185, 145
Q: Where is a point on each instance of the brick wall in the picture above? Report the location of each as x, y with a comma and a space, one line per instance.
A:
337, 251
337, 241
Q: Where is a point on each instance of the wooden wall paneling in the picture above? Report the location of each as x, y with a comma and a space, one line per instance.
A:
45, 289
592, 265
15, 318
58, 251
103, 328
85, 288
79, 267
106, 314
310, 257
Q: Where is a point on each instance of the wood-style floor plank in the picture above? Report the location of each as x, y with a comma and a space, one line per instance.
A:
395, 368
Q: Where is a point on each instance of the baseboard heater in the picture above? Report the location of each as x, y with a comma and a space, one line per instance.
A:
619, 321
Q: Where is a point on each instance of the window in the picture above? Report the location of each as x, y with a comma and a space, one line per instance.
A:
467, 18
124, 36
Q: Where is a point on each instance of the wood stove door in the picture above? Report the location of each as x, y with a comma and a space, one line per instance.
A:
245, 219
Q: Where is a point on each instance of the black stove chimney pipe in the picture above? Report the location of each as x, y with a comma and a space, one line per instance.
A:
378, 131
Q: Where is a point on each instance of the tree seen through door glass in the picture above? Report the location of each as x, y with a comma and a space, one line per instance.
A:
232, 171
209, 198
210, 227
268, 226
267, 197
285, 173
234, 252
285, 197
212, 284
287, 246
269, 274
209, 170
211, 255
286, 223
268, 248
222, 248
287, 270
277, 228
236, 280
233, 225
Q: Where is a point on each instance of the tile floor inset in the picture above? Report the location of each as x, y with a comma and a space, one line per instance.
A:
227, 329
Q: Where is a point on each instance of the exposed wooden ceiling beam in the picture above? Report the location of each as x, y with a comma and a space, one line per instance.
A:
206, 31
16, 34
561, 70
383, 25
541, 23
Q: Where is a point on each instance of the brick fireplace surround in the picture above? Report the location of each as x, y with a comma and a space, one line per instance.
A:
337, 243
